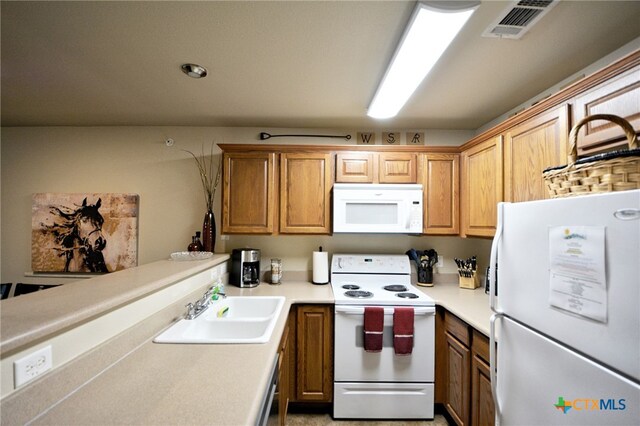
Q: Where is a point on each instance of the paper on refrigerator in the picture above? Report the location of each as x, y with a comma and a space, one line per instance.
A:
577, 270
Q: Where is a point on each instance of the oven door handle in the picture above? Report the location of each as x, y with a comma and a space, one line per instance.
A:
359, 310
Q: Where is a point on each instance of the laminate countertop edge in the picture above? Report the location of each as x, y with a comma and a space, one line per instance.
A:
34, 317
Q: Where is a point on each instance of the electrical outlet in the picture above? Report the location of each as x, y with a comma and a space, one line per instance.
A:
440, 263
31, 366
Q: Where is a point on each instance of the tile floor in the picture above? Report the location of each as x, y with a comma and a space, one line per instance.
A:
326, 420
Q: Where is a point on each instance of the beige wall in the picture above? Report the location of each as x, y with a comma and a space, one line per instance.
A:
137, 160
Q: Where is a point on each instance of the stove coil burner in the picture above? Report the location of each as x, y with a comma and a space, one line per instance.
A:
407, 295
395, 287
350, 287
358, 294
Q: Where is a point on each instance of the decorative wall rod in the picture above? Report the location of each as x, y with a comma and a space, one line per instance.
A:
265, 135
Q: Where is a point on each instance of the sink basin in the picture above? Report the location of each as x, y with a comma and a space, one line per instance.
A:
247, 320
245, 307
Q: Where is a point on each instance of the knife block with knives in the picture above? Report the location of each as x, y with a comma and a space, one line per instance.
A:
467, 276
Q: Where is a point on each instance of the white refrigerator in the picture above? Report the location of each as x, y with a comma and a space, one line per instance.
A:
566, 305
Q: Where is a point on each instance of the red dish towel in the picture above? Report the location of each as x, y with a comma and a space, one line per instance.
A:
373, 323
403, 330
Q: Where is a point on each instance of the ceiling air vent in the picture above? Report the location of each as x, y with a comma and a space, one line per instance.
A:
518, 18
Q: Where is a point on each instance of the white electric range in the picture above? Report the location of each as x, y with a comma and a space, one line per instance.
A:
380, 385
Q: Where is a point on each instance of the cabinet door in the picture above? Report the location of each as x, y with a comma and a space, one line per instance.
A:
481, 187
482, 406
306, 180
355, 167
458, 370
438, 174
397, 167
530, 148
283, 375
249, 193
619, 96
314, 366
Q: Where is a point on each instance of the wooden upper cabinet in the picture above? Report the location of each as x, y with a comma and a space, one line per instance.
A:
355, 167
481, 187
397, 167
531, 147
249, 197
438, 174
376, 167
619, 96
305, 181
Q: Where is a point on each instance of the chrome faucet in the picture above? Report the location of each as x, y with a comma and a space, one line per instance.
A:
195, 309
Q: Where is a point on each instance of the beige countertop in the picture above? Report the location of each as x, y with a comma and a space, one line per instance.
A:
207, 384
184, 384
472, 306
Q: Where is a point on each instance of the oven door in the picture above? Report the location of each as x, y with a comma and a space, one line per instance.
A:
354, 364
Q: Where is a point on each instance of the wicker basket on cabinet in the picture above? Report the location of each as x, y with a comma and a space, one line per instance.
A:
607, 172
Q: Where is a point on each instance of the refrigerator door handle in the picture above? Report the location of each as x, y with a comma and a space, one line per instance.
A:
493, 260
493, 367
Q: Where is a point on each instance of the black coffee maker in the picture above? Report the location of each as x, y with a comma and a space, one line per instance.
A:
245, 267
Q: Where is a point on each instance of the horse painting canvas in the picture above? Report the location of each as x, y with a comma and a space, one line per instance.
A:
84, 232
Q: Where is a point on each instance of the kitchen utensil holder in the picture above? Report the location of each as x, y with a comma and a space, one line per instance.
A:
469, 282
600, 173
425, 277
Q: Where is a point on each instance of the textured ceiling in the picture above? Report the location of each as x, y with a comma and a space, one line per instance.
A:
278, 64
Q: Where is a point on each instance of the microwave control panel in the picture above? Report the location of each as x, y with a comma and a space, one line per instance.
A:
415, 217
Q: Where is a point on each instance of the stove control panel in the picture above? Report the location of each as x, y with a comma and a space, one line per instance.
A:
370, 264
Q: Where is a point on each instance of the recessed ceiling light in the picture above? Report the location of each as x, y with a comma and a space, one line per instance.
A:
194, 70
433, 25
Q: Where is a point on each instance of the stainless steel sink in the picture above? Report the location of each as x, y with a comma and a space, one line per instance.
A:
245, 320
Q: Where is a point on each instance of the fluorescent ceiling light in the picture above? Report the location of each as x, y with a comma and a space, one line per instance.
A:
427, 36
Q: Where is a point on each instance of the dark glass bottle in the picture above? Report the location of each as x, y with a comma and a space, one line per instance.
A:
196, 244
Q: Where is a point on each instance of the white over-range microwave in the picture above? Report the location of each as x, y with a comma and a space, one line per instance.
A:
377, 208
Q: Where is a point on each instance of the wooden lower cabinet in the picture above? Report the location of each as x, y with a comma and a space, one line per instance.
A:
313, 367
458, 371
482, 407
463, 380
283, 390
458, 368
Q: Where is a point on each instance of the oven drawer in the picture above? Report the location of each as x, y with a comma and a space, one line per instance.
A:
383, 400
353, 364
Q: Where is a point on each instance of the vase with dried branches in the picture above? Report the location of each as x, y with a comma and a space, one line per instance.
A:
209, 178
